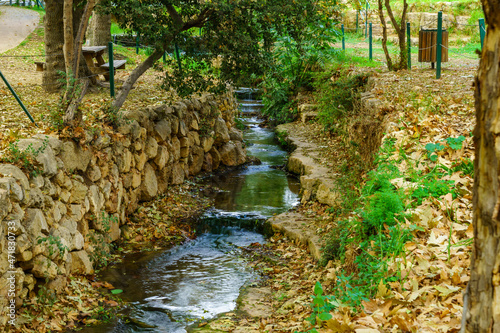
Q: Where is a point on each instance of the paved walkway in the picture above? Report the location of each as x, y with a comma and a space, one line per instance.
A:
15, 25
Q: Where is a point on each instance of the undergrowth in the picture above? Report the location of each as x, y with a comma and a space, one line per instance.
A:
370, 235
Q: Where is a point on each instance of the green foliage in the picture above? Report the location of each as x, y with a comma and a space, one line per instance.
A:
302, 47
26, 158
54, 244
100, 254
320, 305
234, 44
452, 143
336, 93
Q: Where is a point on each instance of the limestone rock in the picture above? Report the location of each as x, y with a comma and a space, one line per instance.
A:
151, 148
216, 158
149, 185
207, 163
5, 204
43, 267
163, 129
78, 192
162, 157
74, 157
140, 161
176, 148
197, 160
429, 21
207, 142
9, 170
81, 263
235, 134
42, 152
124, 161
35, 223
177, 174
221, 131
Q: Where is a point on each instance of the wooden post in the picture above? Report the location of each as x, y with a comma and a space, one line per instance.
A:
438, 44
137, 44
343, 38
111, 70
371, 43
409, 44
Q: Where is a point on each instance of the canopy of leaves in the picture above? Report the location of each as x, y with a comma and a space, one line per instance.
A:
220, 41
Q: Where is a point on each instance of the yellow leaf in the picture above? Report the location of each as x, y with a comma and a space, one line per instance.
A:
382, 290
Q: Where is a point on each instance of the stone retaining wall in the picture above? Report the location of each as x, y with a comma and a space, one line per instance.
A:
79, 201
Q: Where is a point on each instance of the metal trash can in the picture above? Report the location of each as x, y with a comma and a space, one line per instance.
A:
427, 46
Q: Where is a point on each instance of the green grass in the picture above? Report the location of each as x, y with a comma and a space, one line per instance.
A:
116, 30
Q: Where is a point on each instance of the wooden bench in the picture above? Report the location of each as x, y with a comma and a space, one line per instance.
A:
40, 66
117, 64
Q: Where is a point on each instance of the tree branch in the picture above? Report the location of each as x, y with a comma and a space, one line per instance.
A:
175, 16
391, 16
199, 21
89, 7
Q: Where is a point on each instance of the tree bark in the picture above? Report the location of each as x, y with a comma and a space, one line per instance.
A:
54, 42
99, 32
54, 39
384, 35
68, 46
134, 75
483, 312
400, 31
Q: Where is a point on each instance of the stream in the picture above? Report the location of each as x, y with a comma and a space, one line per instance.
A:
170, 290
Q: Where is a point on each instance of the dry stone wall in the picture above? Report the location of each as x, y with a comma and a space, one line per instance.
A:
52, 224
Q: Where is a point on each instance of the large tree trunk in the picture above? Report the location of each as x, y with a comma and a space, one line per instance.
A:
483, 311
54, 42
54, 39
99, 32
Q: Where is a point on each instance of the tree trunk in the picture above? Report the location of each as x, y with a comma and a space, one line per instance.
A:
54, 39
384, 35
400, 31
68, 46
134, 75
54, 42
483, 311
99, 32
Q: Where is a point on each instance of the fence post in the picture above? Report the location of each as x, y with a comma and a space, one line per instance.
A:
178, 56
409, 44
438, 44
137, 44
17, 98
482, 31
111, 70
165, 57
343, 38
371, 43
366, 19
357, 21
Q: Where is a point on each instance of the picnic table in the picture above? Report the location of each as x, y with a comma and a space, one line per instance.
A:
94, 58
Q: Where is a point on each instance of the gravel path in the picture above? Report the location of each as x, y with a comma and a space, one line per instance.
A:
15, 25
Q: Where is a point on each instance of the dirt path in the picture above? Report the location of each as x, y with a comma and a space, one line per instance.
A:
15, 25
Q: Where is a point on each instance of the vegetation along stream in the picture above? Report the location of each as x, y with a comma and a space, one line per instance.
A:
168, 291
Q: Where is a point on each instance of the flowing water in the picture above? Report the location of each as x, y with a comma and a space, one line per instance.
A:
170, 290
